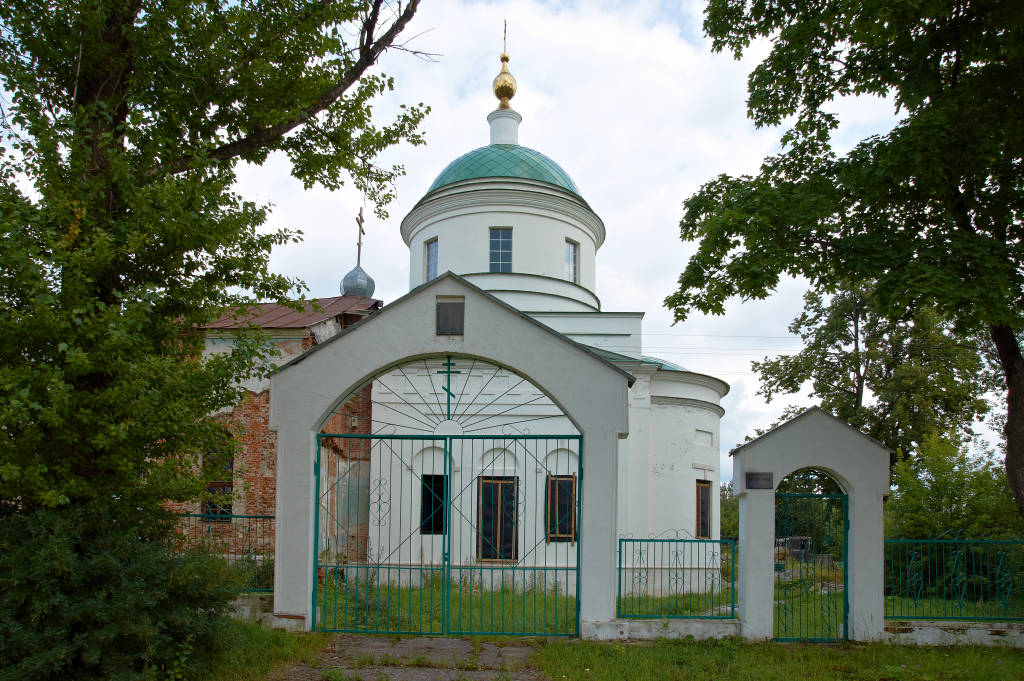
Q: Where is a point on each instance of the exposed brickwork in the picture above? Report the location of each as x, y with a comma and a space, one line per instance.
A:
255, 463
337, 457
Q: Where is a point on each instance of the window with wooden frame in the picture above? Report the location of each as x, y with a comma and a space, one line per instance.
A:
703, 530
560, 508
497, 536
432, 504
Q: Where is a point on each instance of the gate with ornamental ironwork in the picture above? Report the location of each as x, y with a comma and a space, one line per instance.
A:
810, 557
442, 513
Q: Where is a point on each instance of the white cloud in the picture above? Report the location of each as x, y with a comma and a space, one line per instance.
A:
630, 100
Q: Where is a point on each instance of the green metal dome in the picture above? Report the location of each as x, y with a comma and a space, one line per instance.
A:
505, 160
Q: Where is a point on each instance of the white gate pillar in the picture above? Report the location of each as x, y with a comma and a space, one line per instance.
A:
598, 564
756, 585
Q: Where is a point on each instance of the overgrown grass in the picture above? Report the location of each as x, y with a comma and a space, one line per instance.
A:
898, 607
370, 606
690, 604
248, 652
732, 660
803, 612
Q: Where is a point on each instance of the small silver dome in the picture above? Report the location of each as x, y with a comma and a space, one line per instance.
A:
357, 283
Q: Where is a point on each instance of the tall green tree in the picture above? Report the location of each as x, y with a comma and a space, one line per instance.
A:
945, 491
121, 124
931, 211
122, 232
898, 380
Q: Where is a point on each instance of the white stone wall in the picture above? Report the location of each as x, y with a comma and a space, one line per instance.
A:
673, 442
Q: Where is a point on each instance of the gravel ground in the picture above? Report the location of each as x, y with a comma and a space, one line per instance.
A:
377, 658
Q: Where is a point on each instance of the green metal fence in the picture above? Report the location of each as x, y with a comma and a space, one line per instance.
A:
677, 578
245, 541
454, 535
954, 579
810, 558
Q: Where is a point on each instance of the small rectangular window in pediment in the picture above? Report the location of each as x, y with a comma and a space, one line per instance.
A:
451, 316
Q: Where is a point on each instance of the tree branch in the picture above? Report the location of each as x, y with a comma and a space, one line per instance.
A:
369, 52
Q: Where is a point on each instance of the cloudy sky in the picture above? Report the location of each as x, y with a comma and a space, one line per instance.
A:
629, 99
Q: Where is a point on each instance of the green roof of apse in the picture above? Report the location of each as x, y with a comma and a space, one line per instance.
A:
504, 160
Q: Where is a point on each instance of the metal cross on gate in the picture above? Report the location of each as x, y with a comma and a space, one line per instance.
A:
447, 387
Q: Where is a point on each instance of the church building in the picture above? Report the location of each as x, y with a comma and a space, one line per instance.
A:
475, 449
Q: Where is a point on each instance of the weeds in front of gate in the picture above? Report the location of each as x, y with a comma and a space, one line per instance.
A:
733, 660
383, 601
247, 651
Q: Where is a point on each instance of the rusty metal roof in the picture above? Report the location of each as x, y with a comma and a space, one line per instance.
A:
275, 316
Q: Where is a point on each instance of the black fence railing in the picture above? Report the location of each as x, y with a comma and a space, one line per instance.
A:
245, 541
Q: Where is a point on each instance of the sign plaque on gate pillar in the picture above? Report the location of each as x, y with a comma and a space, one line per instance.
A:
754, 480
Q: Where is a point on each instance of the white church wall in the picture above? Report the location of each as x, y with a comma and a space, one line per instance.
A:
534, 289
499, 404
541, 220
690, 385
617, 332
515, 293
659, 465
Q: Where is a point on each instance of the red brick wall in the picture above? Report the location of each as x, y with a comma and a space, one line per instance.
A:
255, 464
256, 460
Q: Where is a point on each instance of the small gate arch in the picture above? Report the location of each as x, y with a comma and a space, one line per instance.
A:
860, 467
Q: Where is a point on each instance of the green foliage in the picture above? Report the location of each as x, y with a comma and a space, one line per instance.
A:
945, 491
809, 481
931, 212
896, 380
122, 233
729, 511
94, 592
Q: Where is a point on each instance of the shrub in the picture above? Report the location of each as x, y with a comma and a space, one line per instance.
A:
95, 591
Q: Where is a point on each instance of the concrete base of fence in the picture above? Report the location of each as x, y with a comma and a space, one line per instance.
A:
640, 630
252, 607
944, 633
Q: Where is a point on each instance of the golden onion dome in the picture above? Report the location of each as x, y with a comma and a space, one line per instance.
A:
504, 84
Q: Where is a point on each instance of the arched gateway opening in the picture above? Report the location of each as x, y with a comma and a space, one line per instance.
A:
810, 557
447, 501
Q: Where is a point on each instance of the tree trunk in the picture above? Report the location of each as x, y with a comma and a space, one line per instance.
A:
1013, 368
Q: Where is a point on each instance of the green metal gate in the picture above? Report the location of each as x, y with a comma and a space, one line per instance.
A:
810, 556
447, 534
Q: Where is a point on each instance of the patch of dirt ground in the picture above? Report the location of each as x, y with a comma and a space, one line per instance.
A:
379, 658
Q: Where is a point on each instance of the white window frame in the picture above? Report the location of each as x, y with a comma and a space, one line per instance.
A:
429, 275
491, 263
572, 261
